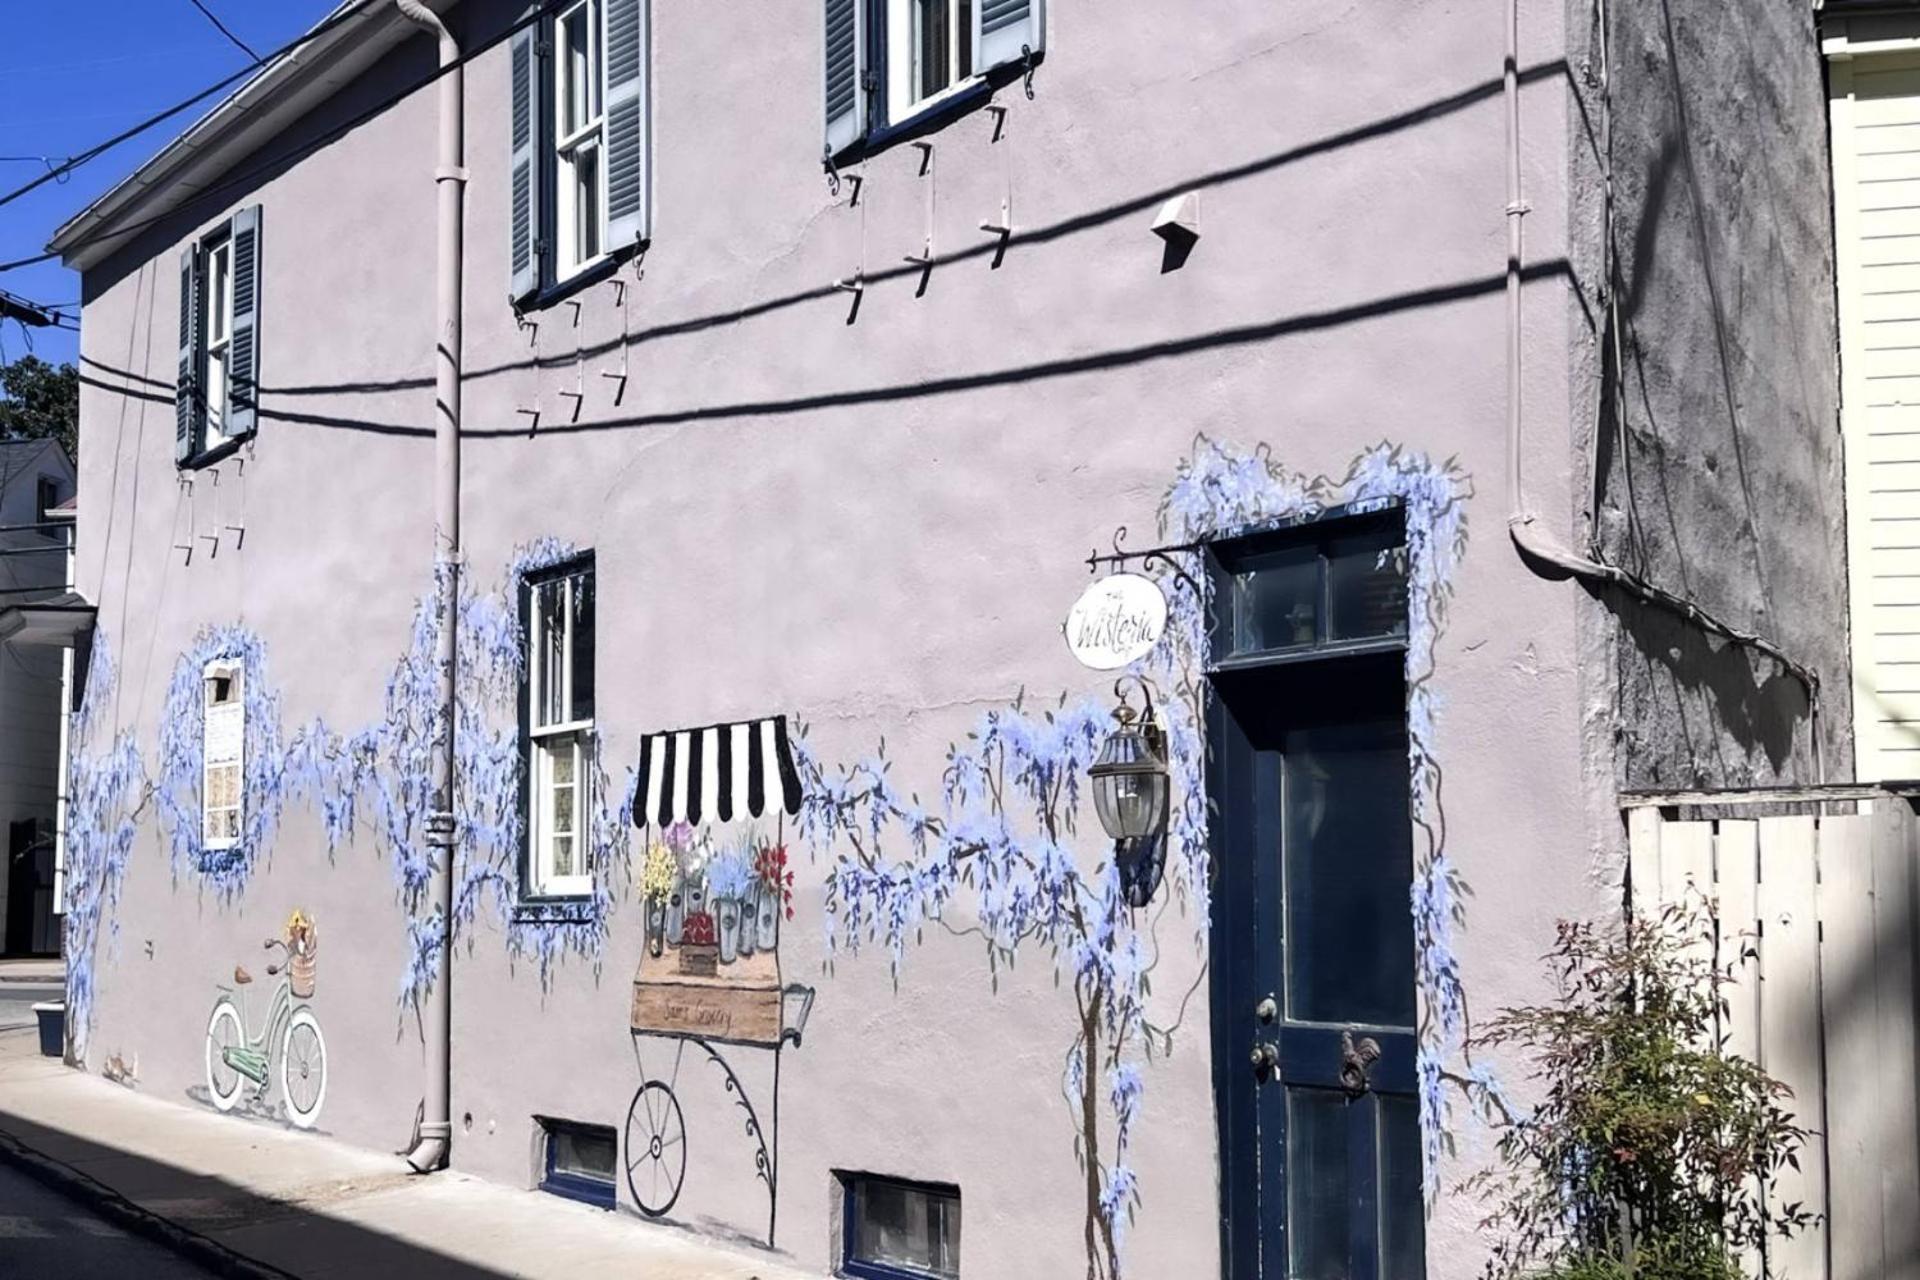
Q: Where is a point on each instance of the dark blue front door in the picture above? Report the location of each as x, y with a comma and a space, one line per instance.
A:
1314, 1006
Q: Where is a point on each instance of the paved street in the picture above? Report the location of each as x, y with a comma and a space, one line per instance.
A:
42, 1233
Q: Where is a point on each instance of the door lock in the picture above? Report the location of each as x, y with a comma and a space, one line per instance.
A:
1266, 1058
1267, 1010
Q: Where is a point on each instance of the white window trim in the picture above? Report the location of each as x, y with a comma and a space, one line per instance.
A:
591, 136
218, 346
235, 671
543, 740
902, 107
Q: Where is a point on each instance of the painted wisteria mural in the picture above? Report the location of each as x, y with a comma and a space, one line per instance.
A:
1009, 801
370, 782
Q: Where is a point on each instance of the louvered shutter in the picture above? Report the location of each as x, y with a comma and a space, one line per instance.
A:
523, 231
846, 46
1006, 31
626, 98
243, 358
186, 394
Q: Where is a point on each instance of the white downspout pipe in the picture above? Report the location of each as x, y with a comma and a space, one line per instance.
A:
450, 179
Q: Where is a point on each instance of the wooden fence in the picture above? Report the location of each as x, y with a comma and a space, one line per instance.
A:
1826, 1005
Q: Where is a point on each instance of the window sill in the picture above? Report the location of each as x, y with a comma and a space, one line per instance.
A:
854, 1269
598, 1194
219, 453
929, 117
585, 278
554, 909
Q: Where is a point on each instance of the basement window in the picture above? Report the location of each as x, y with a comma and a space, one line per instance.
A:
899, 1230
579, 1161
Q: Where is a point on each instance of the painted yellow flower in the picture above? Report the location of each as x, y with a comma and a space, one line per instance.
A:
656, 876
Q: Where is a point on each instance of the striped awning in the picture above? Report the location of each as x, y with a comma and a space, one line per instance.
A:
715, 774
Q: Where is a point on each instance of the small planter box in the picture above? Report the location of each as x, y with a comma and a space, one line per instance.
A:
53, 1027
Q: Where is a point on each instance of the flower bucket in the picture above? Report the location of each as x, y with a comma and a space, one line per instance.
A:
727, 914
52, 1015
766, 918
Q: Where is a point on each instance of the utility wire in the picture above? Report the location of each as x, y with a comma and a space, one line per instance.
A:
222, 28
161, 117
214, 194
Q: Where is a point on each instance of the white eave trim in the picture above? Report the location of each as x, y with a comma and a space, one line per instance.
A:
276, 96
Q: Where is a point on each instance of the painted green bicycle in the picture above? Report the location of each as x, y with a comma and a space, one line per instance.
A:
290, 1039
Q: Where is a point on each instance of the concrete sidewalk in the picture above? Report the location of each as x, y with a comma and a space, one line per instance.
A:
252, 1199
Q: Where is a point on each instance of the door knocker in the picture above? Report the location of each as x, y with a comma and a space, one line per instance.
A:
1356, 1061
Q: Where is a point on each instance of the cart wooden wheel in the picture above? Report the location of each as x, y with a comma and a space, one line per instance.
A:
656, 1148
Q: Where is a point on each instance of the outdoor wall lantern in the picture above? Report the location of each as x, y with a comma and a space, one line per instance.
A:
1130, 788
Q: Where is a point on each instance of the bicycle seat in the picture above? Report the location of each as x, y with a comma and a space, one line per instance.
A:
241, 976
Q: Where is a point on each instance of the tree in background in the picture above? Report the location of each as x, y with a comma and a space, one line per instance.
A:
40, 401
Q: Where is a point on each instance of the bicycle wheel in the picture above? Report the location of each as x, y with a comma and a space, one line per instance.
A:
303, 1068
656, 1150
224, 1032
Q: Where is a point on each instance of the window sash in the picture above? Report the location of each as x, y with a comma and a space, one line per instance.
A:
559, 737
559, 853
578, 123
216, 323
912, 85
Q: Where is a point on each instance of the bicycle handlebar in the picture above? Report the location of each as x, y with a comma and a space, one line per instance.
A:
271, 943
272, 969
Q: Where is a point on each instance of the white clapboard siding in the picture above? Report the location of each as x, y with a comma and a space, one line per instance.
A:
1875, 113
1818, 917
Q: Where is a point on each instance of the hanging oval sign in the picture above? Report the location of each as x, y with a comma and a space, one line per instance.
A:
1116, 621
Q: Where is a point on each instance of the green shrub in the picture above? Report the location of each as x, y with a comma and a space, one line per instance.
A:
1652, 1154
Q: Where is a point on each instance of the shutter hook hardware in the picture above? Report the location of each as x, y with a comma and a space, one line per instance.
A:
1026, 70
833, 173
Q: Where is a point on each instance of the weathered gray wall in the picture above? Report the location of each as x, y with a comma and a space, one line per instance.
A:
794, 512
1729, 491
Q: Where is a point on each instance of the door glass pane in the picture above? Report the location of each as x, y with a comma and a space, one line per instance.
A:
1403, 1225
1276, 601
1367, 586
1319, 1186
1348, 867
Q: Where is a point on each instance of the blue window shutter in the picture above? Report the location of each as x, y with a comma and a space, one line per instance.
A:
626, 60
523, 231
846, 49
1006, 31
186, 394
243, 394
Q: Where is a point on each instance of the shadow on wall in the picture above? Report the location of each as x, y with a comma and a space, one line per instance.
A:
273, 1232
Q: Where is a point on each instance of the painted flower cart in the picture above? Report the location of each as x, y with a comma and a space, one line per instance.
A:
709, 974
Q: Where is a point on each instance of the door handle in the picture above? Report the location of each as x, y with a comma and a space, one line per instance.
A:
1266, 1058
1356, 1062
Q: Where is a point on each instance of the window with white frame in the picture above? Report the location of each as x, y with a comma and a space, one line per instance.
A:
218, 378
223, 754
559, 699
217, 317
578, 162
889, 63
579, 129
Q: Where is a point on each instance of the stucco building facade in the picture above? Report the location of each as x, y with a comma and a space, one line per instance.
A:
813, 479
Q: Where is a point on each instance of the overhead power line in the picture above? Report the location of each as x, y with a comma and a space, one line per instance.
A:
222, 28
215, 193
14, 307
161, 117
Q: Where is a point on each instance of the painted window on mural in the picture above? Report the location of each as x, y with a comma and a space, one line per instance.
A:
901, 1230
560, 730
224, 728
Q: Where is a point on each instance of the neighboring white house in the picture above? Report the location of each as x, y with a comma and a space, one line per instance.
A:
36, 477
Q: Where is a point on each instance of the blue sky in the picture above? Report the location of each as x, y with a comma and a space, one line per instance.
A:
76, 72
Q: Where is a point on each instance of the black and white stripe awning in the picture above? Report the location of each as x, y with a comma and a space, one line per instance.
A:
715, 774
